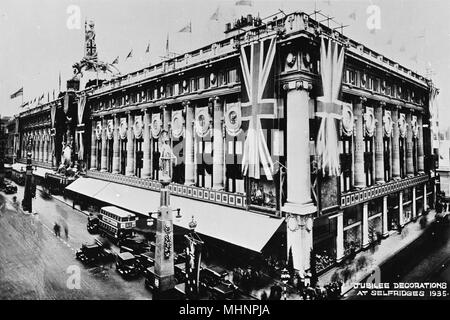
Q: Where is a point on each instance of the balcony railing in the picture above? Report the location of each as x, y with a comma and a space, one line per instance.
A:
355, 197
198, 193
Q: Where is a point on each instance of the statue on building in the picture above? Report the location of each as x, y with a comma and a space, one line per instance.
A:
167, 158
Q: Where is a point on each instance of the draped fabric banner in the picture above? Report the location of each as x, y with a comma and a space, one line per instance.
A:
258, 102
110, 129
202, 121
98, 130
332, 55
369, 122
402, 124
434, 114
233, 119
347, 119
156, 125
53, 114
80, 128
177, 123
387, 123
415, 127
123, 128
137, 127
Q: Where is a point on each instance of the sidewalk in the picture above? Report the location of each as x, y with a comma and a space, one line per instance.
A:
66, 201
389, 247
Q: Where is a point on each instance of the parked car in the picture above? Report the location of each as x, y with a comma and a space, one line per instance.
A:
92, 225
215, 280
136, 245
126, 265
94, 253
144, 261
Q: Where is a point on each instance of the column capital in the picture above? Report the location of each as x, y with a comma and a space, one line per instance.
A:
382, 104
186, 103
215, 99
361, 99
298, 85
163, 106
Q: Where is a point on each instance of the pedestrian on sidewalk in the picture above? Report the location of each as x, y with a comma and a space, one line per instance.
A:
66, 231
57, 229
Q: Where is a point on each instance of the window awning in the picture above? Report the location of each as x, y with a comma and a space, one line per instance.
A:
239, 227
87, 187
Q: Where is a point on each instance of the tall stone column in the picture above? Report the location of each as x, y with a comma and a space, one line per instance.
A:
400, 208
395, 145
299, 206
146, 173
166, 118
360, 179
45, 159
413, 204
129, 171
93, 147
116, 144
41, 151
379, 155
340, 236
365, 225
218, 149
34, 157
36, 146
189, 169
420, 153
425, 200
104, 159
385, 216
409, 146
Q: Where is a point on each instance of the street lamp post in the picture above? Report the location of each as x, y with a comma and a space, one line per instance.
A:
285, 279
26, 202
163, 272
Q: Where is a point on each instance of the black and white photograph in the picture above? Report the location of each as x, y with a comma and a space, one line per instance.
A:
240, 151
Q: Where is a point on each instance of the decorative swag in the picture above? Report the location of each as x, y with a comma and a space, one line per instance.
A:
329, 107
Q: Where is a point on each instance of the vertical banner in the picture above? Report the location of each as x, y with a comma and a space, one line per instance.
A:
80, 127
194, 247
258, 103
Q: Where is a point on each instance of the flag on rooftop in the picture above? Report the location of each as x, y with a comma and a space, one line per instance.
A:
244, 3
187, 28
129, 55
17, 93
116, 60
215, 15
353, 15
148, 48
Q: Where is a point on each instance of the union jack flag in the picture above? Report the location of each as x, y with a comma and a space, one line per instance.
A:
258, 102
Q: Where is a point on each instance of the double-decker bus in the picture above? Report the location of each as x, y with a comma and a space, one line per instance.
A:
116, 223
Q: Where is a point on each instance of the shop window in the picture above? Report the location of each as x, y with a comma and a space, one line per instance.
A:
346, 164
369, 161
387, 158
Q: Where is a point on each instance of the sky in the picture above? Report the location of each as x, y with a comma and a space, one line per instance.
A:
37, 43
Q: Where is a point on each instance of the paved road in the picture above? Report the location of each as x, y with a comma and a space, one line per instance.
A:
428, 262
35, 264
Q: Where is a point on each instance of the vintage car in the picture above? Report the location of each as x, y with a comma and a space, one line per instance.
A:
144, 261
94, 254
92, 225
180, 272
215, 280
126, 265
136, 245
10, 189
